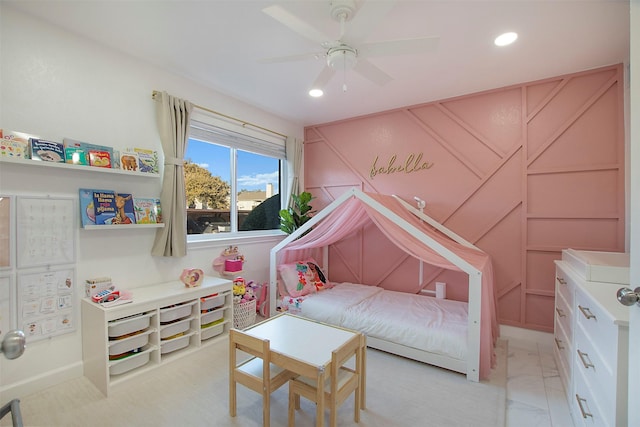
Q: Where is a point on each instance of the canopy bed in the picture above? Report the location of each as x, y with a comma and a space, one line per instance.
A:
455, 335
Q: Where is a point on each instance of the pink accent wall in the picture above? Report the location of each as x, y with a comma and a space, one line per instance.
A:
522, 172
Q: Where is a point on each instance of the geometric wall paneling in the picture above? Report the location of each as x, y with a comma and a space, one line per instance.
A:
323, 154
522, 172
539, 309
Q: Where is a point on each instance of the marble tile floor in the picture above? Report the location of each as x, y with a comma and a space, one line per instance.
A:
535, 395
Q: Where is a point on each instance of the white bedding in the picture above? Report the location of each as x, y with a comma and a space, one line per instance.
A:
422, 322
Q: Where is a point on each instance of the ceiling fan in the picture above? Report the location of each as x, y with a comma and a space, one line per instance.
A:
349, 51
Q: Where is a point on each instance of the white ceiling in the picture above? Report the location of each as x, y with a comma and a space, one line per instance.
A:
219, 44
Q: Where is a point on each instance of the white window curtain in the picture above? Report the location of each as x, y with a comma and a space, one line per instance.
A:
173, 115
294, 149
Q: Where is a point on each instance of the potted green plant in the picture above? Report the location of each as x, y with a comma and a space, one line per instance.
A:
298, 213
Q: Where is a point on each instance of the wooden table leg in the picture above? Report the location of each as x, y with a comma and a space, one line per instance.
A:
320, 399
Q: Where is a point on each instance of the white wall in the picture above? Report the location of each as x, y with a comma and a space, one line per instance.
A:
55, 84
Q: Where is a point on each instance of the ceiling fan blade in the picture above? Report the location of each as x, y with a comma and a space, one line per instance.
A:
323, 78
295, 24
292, 58
366, 19
399, 47
370, 72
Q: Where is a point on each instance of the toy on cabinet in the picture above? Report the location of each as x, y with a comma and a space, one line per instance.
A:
192, 277
230, 262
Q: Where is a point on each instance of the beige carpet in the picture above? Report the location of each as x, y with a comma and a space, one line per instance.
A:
193, 391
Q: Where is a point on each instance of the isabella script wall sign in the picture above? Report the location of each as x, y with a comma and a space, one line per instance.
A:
412, 163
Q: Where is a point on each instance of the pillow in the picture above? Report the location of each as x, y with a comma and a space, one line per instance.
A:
302, 277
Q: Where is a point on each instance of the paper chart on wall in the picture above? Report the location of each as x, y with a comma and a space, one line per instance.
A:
46, 302
6, 231
6, 314
45, 231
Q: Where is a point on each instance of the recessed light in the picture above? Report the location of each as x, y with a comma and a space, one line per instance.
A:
505, 39
316, 93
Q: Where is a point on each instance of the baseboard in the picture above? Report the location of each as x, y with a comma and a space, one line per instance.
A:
529, 335
38, 383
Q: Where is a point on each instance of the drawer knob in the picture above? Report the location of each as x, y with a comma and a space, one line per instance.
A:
586, 312
560, 312
561, 280
585, 414
586, 364
628, 297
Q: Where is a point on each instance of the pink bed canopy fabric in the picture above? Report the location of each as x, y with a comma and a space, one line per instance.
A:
354, 213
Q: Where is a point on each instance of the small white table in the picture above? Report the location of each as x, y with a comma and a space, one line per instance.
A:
296, 341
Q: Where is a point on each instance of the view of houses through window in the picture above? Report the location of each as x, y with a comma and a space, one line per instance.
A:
230, 189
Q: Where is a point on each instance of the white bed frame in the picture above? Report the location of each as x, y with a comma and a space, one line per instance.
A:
470, 367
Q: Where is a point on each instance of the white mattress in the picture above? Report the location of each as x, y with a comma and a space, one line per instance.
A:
422, 322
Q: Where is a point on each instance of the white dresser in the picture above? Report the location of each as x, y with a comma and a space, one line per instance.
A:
592, 336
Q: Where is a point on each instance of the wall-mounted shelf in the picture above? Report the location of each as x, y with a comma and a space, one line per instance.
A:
232, 273
92, 169
114, 226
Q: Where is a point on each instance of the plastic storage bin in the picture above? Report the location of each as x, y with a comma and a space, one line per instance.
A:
211, 301
174, 328
169, 314
211, 331
130, 343
132, 362
174, 344
211, 317
128, 325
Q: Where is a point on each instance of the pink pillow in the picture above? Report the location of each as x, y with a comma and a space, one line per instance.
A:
302, 277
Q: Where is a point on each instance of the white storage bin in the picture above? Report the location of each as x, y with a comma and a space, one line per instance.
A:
129, 324
169, 314
211, 301
130, 343
174, 344
211, 331
211, 317
174, 328
132, 362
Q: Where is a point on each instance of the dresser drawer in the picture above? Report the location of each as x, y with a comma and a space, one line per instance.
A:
562, 352
564, 317
598, 374
598, 328
565, 284
585, 407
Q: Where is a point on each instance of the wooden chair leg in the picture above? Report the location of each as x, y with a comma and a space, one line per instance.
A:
292, 402
356, 415
232, 397
266, 408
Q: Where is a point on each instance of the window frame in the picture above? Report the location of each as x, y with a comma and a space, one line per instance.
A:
205, 128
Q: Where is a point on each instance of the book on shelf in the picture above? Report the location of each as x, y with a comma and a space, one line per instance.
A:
15, 144
99, 158
147, 160
147, 210
87, 209
129, 161
74, 153
46, 151
113, 208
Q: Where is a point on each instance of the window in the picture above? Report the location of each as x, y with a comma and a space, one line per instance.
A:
232, 181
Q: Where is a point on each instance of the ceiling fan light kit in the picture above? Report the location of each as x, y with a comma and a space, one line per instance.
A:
349, 51
342, 57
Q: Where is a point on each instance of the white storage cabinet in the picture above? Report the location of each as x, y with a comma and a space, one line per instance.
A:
593, 362
164, 321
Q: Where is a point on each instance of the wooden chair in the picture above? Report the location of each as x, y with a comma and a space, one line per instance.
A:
335, 392
257, 373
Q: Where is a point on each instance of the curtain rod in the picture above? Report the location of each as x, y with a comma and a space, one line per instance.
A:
242, 122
